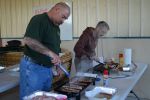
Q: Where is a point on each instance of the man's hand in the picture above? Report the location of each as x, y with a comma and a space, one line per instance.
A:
55, 58
95, 58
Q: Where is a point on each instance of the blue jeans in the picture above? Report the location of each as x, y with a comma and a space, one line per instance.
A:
34, 77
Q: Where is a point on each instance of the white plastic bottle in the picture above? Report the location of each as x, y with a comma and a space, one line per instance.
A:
97, 81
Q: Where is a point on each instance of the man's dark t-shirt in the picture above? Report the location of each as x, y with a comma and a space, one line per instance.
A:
42, 29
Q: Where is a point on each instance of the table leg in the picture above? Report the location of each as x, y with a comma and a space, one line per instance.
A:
134, 94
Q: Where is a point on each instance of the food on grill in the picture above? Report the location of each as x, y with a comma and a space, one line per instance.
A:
81, 81
85, 81
67, 89
78, 83
73, 87
43, 97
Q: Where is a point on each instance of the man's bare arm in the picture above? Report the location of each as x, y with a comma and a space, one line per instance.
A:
37, 46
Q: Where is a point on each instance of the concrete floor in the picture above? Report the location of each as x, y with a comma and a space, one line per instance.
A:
12, 94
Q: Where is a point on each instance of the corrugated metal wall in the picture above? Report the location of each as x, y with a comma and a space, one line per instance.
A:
125, 17
15, 15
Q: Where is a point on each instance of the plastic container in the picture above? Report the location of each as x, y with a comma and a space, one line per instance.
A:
98, 80
42, 95
97, 93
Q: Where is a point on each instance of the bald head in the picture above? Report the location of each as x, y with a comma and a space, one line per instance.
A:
63, 5
59, 13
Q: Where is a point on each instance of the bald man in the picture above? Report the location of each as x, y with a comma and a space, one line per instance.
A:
42, 47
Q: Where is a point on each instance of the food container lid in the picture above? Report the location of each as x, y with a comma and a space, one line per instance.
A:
98, 90
47, 94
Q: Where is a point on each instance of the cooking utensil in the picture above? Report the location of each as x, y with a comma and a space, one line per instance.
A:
63, 69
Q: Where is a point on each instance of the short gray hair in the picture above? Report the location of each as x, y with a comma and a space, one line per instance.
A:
102, 24
63, 5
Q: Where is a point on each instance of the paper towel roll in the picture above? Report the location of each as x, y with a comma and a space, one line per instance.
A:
127, 56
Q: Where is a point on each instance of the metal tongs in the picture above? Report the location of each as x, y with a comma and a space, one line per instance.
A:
63, 69
98, 62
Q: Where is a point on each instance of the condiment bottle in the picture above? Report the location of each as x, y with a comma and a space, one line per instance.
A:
121, 60
105, 78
